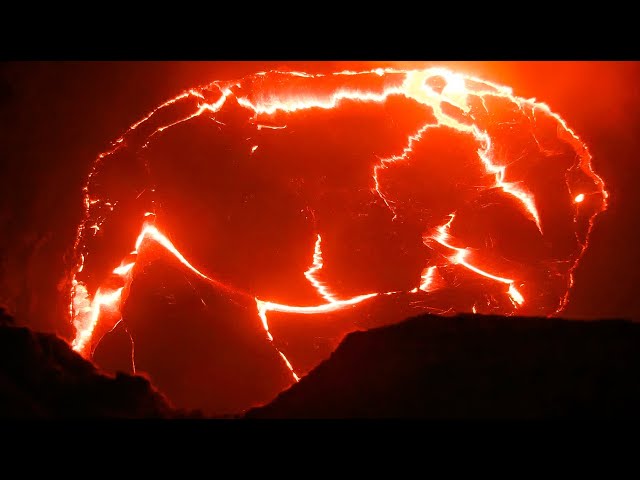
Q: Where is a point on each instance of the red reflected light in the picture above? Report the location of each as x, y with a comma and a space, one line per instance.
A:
432, 188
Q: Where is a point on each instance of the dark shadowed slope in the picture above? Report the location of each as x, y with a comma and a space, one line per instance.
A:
41, 377
473, 366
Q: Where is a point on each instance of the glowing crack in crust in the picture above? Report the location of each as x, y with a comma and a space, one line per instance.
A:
87, 310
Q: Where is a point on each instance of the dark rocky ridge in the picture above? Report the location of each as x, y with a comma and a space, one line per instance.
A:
469, 366
41, 377
473, 366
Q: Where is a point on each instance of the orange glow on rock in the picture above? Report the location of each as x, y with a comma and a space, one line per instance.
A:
275, 106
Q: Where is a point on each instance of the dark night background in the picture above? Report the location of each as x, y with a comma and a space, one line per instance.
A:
56, 117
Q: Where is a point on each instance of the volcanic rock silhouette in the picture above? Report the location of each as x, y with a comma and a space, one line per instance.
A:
473, 366
41, 377
464, 367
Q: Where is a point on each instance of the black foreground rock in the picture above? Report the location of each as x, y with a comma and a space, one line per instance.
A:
473, 366
41, 377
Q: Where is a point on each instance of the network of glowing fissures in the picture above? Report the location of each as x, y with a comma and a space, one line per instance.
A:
87, 311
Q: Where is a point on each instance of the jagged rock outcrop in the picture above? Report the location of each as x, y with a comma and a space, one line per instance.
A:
473, 366
41, 377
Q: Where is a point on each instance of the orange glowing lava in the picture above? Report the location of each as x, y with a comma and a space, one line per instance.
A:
463, 105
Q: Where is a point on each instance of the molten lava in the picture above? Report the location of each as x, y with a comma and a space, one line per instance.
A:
503, 221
